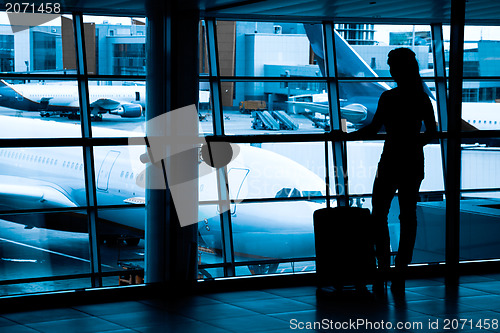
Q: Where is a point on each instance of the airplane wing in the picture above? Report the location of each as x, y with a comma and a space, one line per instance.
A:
123, 109
354, 113
21, 193
106, 104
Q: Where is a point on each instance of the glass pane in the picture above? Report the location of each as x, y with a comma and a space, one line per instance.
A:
362, 161
479, 221
205, 114
278, 170
431, 226
118, 169
269, 49
274, 230
362, 49
115, 45
44, 245
363, 158
209, 240
481, 105
480, 204
47, 48
47, 286
210, 273
121, 239
266, 267
203, 54
481, 48
39, 109
358, 102
117, 108
42, 178
480, 164
275, 107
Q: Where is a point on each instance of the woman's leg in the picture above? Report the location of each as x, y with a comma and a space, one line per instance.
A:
383, 193
408, 197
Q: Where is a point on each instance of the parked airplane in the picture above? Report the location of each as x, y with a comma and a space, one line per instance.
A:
358, 100
41, 178
50, 99
478, 116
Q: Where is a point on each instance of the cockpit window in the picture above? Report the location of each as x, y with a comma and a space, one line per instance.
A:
287, 192
283, 193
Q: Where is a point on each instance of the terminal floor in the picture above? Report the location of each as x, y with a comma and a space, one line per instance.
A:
475, 302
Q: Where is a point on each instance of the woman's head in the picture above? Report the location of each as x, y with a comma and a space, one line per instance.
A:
404, 67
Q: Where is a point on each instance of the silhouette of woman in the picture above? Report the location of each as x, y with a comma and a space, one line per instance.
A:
401, 112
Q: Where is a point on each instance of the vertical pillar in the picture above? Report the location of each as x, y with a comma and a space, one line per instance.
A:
440, 83
339, 148
172, 83
222, 177
453, 153
88, 151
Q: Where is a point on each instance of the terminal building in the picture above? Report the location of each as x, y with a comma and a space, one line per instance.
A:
161, 165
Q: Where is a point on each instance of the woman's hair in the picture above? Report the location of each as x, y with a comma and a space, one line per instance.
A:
404, 60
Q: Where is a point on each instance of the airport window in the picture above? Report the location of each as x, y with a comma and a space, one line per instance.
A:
48, 51
300, 91
280, 87
479, 204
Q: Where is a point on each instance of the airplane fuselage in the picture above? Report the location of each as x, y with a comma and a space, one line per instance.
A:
64, 98
57, 174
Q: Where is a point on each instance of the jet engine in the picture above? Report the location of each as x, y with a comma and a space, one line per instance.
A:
128, 110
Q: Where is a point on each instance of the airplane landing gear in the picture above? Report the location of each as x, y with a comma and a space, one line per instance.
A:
46, 114
96, 117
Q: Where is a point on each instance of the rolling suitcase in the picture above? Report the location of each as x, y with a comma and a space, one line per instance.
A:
345, 247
